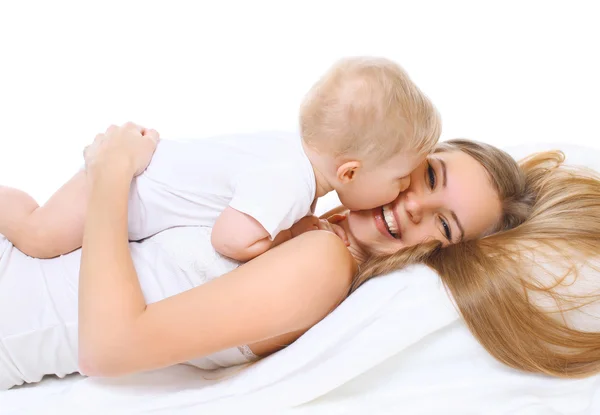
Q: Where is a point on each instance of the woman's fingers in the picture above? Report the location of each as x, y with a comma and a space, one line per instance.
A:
133, 126
110, 130
151, 134
130, 141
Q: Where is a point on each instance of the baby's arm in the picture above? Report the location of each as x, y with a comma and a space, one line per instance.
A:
241, 237
266, 204
46, 231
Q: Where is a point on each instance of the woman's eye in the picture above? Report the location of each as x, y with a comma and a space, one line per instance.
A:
447, 231
431, 176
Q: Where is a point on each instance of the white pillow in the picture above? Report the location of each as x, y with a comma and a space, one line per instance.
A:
576, 155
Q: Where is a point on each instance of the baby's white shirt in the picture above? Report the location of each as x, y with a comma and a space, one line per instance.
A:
189, 183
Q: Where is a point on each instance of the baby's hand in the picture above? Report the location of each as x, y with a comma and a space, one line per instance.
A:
313, 223
325, 225
307, 223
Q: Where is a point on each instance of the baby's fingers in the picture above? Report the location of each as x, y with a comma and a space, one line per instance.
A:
337, 218
339, 231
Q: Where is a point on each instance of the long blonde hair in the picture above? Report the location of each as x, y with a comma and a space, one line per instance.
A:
521, 289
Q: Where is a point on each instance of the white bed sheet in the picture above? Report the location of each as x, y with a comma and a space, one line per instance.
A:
396, 346
449, 373
409, 355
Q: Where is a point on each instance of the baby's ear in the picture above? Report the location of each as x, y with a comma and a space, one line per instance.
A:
347, 171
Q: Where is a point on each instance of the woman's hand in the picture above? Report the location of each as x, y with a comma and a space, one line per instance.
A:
129, 145
110, 296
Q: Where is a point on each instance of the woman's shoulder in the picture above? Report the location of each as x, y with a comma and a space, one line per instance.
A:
321, 242
326, 254
315, 271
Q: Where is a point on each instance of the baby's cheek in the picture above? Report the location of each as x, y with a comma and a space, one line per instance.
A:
390, 195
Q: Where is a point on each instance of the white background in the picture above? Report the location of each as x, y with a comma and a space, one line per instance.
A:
505, 72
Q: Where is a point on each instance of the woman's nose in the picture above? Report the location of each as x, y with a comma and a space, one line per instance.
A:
414, 207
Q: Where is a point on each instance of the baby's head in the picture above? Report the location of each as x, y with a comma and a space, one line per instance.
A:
373, 125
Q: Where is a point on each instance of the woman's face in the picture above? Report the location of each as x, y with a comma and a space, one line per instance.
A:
450, 199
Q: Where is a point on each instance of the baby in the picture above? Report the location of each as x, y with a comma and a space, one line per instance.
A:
364, 126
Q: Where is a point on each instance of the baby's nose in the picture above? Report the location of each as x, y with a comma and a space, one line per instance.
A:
404, 183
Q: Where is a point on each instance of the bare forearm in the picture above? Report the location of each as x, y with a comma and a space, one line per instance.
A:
15, 205
110, 297
45, 231
254, 249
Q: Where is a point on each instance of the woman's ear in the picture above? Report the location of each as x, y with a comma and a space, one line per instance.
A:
347, 171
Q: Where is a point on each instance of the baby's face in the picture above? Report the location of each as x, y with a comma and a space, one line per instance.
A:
380, 184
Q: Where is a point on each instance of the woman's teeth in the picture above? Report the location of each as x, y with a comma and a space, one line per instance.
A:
390, 220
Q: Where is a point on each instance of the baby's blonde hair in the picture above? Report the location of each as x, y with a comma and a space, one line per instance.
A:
368, 107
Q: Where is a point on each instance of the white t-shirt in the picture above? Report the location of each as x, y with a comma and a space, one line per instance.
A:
265, 175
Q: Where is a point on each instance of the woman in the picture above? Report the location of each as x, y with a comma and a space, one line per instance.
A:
464, 192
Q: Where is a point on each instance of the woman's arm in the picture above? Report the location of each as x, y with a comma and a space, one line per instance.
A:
287, 289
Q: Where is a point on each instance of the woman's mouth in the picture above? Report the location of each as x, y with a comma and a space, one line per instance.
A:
386, 222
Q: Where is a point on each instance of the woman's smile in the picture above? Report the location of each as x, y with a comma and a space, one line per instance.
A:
386, 222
